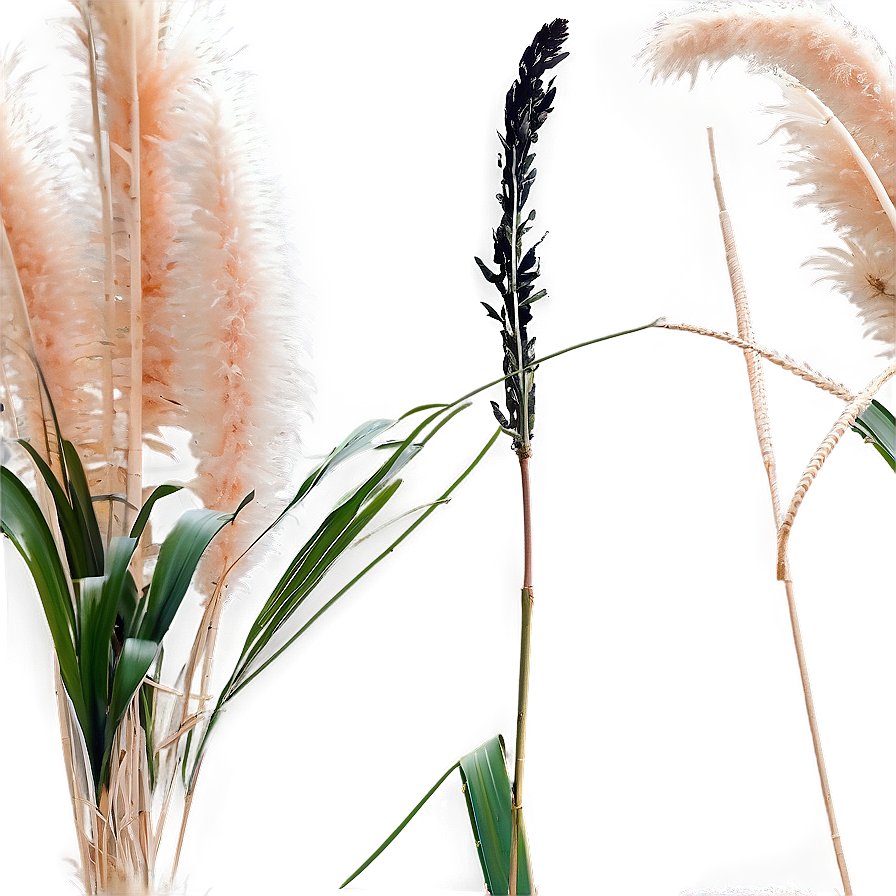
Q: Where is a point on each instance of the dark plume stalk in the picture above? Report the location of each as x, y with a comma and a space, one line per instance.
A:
526, 109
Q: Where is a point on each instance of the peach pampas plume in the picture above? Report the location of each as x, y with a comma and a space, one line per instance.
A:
46, 301
241, 383
214, 302
139, 73
850, 74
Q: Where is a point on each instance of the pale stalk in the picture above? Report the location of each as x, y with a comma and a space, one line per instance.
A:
203, 647
188, 803
763, 431
135, 414
71, 776
104, 178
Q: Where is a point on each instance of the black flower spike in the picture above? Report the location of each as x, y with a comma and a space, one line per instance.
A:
525, 111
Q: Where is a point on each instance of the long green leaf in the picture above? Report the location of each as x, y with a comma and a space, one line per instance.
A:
337, 533
82, 504
178, 557
363, 440
133, 663
78, 552
120, 589
380, 557
400, 828
23, 523
100, 601
877, 425
330, 541
487, 789
316, 557
160, 491
93, 656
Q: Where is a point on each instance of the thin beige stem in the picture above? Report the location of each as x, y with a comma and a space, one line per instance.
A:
800, 369
203, 647
188, 803
104, 178
135, 414
816, 736
763, 432
746, 330
73, 787
844, 422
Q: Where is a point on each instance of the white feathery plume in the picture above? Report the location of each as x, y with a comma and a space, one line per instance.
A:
825, 59
242, 382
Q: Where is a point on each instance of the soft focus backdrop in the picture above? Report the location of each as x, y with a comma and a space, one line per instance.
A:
668, 745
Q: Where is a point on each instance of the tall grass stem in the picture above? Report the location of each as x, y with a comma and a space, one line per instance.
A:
763, 431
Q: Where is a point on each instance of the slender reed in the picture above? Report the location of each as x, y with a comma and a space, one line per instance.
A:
764, 435
526, 108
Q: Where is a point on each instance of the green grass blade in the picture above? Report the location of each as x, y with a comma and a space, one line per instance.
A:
358, 441
143, 517
282, 599
400, 828
329, 543
100, 600
133, 663
877, 425
77, 550
93, 657
121, 590
178, 557
332, 529
23, 523
380, 557
82, 504
487, 789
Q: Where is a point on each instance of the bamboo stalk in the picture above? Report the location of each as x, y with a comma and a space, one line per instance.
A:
763, 432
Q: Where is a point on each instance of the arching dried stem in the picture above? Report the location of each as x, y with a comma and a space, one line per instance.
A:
800, 369
763, 431
844, 422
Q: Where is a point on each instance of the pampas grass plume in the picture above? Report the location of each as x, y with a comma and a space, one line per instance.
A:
45, 271
850, 74
242, 384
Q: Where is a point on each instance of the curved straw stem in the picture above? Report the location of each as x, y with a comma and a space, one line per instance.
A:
844, 422
800, 369
763, 431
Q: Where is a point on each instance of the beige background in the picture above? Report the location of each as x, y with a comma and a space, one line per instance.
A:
668, 743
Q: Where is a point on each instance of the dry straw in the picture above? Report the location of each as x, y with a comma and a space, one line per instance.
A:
837, 112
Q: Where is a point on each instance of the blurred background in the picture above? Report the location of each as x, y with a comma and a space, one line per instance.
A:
668, 745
